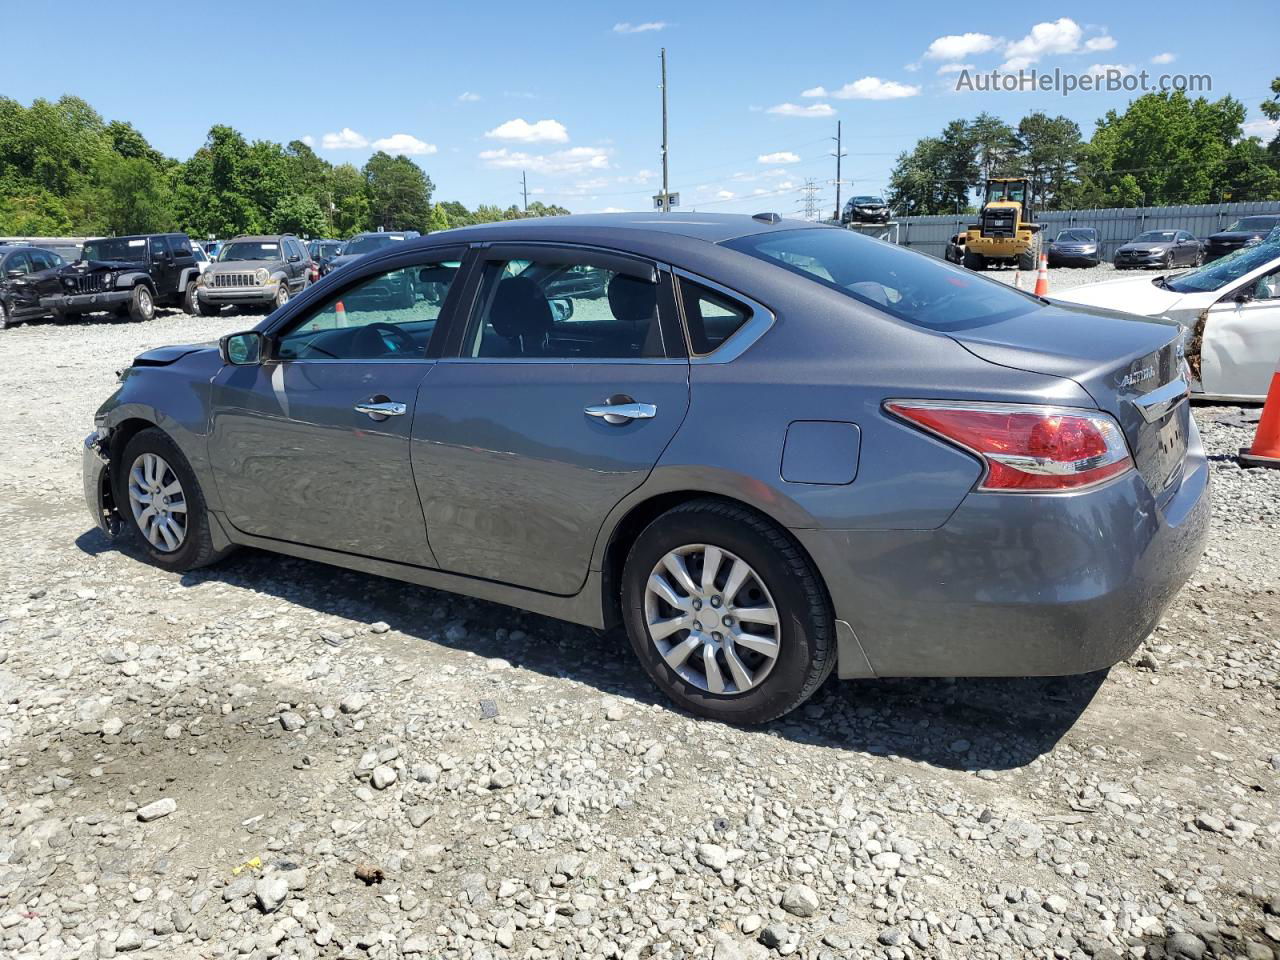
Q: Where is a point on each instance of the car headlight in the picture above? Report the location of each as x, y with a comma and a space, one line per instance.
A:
203, 280
262, 276
108, 279
1156, 251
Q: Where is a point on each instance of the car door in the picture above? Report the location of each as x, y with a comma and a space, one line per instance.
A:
547, 411
312, 446
296, 264
24, 295
44, 277
161, 268
1241, 341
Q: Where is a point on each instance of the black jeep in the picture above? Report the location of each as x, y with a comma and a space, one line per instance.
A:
128, 275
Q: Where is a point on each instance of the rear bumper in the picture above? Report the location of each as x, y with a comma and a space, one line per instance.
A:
85, 302
1018, 585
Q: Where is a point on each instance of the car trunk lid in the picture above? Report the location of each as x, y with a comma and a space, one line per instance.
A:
1131, 367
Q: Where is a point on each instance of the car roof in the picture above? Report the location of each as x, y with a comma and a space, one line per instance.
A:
261, 237
709, 227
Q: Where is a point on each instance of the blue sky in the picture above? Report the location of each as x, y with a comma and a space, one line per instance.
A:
569, 90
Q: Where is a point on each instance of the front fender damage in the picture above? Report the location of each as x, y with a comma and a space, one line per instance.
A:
98, 486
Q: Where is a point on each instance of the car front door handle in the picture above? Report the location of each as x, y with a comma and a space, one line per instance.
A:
381, 409
619, 413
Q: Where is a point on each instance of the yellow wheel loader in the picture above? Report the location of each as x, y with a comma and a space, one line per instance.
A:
1006, 231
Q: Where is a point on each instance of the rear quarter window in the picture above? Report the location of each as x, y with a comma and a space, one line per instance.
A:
911, 287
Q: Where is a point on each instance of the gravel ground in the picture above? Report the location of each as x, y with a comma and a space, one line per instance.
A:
274, 758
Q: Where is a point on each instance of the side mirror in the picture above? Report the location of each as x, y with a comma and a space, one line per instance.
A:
294, 258
562, 307
1244, 296
242, 349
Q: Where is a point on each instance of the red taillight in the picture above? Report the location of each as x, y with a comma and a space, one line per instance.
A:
1031, 448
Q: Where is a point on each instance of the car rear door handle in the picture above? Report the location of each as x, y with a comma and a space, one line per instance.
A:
381, 409
618, 413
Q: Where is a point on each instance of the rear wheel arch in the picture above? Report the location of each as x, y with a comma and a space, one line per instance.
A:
623, 534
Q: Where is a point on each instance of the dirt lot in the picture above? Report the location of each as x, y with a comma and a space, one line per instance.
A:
509, 786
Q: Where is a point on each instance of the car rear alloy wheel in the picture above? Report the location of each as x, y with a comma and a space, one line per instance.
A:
712, 619
158, 503
726, 612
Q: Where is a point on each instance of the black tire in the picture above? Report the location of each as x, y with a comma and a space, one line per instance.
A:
974, 261
1029, 259
4, 316
189, 299
281, 298
196, 549
207, 309
1168, 260
142, 304
1199, 260
806, 630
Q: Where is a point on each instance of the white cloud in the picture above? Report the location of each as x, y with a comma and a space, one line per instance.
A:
345, 139
404, 143
1100, 69
522, 131
955, 67
649, 27
1059, 36
640, 176
1164, 58
961, 45
873, 88
814, 92
1266, 129
796, 110
468, 97
725, 194
782, 156
573, 160
611, 210
309, 140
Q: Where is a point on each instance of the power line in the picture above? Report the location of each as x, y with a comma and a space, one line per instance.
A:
810, 199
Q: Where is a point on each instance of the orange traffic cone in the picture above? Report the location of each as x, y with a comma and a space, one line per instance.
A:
1042, 277
341, 311
1265, 451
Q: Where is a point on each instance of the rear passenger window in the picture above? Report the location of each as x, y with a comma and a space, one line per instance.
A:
711, 317
181, 246
544, 309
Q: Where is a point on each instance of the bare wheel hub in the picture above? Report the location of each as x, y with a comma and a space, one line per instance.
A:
712, 619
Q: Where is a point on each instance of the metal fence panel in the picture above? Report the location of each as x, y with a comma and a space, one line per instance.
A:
1115, 225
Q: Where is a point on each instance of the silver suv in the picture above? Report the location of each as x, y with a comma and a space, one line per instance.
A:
255, 271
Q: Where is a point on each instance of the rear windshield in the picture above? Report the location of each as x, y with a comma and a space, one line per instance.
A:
117, 248
913, 287
249, 250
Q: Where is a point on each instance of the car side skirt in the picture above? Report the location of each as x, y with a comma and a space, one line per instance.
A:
583, 608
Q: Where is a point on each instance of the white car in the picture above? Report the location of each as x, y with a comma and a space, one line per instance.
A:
1230, 309
202, 258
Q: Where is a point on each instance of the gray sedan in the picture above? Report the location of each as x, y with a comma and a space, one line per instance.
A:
769, 450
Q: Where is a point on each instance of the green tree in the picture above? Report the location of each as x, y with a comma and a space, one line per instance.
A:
399, 193
300, 215
131, 196
994, 146
1048, 150
439, 220
350, 201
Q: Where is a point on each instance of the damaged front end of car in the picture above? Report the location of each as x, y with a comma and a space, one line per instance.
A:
98, 488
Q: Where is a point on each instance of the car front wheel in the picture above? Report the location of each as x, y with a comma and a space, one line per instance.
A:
163, 503
726, 613
142, 306
189, 301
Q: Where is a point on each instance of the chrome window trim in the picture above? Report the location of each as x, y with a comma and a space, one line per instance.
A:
744, 338
612, 361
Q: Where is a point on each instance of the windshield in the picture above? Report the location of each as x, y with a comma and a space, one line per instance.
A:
1077, 236
117, 248
319, 251
1253, 224
867, 200
915, 288
1154, 236
374, 241
249, 250
1006, 191
1228, 269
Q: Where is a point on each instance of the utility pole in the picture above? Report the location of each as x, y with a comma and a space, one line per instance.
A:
838, 154
524, 188
666, 186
